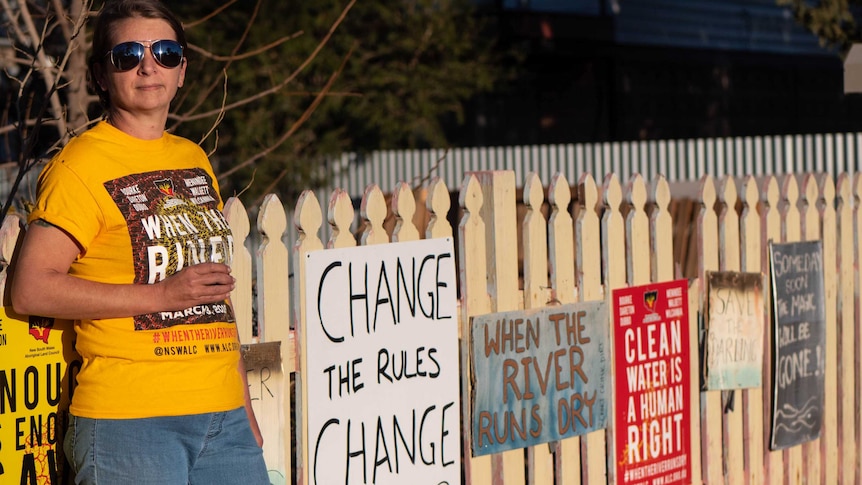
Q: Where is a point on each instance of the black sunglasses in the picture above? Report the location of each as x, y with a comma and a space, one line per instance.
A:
126, 56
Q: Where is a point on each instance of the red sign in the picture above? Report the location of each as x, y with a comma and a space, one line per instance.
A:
652, 384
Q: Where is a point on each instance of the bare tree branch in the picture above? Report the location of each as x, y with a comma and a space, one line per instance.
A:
204, 95
52, 75
302, 119
215, 12
36, 38
218, 119
64, 22
278, 87
238, 57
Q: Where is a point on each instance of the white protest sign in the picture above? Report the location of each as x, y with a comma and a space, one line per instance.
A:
381, 336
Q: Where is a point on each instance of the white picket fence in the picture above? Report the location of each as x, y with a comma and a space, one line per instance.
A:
620, 235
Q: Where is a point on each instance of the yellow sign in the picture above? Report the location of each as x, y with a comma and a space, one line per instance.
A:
38, 367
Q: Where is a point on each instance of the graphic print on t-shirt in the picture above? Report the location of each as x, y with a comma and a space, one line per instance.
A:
174, 222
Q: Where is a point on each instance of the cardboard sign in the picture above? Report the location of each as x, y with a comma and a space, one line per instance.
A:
733, 355
265, 377
799, 326
652, 383
37, 376
539, 375
381, 336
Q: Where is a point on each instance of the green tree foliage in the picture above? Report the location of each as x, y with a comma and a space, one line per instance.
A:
357, 77
832, 21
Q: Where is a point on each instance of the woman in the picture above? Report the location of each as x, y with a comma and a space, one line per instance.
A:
128, 240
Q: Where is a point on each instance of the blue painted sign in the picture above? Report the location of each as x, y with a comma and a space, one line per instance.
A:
539, 375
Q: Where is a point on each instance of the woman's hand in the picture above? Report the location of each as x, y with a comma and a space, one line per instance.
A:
197, 285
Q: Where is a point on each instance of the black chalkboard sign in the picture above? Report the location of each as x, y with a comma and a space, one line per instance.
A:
798, 343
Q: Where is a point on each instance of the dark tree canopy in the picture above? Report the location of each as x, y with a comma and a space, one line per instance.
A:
357, 77
832, 21
274, 89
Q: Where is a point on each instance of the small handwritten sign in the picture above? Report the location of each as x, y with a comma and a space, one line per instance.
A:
652, 383
265, 377
539, 375
381, 333
734, 330
799, 325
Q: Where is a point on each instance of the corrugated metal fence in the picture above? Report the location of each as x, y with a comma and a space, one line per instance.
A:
676, 160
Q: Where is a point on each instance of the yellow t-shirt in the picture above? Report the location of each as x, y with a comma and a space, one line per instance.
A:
141, 210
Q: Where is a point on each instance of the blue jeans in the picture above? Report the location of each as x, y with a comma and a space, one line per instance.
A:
200, 449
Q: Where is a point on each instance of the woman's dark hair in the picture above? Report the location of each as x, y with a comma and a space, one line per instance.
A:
112, 12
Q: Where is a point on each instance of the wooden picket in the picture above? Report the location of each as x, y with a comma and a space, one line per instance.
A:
589, 284
713, 455
770, 229
729, 260
846, 329
821, 199
540, 461
578, 244
752, 399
